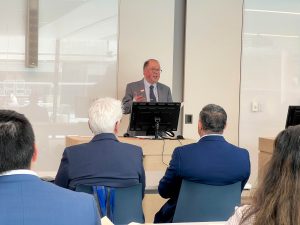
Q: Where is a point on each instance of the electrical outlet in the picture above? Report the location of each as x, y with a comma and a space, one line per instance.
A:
188, 119
255, 106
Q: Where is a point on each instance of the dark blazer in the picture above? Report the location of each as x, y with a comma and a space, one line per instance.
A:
163, 92
25, 199
102, 161
212, 160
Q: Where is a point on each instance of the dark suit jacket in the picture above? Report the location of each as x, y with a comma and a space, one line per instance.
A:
163, 91
210, 161
25, 199
102, 161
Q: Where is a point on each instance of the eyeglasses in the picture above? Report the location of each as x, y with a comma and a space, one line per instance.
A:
156, 70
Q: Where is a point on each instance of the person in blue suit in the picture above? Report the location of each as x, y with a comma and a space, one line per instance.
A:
212, 160
104, 160
25, 198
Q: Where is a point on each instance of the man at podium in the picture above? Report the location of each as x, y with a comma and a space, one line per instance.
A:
148, 89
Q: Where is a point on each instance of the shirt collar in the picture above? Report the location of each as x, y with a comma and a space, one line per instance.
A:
18, 172
147, 84
221, 135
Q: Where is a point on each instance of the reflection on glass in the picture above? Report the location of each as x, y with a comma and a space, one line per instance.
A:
270, 68
77, 64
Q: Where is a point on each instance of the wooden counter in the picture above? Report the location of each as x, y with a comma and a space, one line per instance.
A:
265, 146
157, 153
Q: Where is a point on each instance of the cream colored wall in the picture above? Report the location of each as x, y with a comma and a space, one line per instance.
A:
212, 61
146, 31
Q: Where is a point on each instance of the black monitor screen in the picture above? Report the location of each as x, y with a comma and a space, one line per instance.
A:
293, 116
145, 115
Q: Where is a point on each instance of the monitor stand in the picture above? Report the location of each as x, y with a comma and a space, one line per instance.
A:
157, 121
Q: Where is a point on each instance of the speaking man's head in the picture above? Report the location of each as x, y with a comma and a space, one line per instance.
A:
152, 71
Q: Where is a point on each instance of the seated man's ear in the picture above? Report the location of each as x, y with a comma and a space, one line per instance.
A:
89, 125
117, 127
200, 128
35, 153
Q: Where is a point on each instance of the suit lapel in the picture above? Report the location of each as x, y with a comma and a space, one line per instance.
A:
141, 89
159, 92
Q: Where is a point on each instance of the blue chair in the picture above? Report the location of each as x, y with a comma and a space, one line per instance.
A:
120, 205
200, 202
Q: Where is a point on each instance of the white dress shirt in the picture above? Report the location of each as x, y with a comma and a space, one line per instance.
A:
147, 90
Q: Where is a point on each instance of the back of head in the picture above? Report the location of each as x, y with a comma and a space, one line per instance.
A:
213, 118
277, 197
16, 141
104, 114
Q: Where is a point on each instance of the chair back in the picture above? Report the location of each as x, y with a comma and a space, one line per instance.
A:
200, 202
120, 205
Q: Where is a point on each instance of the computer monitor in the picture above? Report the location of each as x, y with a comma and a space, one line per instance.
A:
293, 116
154, 117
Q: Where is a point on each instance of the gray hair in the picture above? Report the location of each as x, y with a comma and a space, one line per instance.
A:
213, 118
104, 114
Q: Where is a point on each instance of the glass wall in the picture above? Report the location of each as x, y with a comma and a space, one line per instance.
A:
270, 80
77, 64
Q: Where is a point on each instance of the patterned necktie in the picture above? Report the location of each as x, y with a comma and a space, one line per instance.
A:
152, 96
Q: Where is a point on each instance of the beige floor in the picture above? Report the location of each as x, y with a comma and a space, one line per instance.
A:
151, 204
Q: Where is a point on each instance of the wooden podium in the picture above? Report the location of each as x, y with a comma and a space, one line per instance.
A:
157, 153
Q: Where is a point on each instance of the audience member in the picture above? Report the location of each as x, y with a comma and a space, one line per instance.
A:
25, 199
276, 200
104, 160
212, 160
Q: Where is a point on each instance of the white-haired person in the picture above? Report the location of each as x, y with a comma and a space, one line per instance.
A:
104, 160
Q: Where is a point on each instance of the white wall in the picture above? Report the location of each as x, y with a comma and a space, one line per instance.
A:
270, 70
146, 31
212, 61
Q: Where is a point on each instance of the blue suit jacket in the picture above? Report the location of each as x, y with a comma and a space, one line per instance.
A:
27, 200
210, 161
102, 161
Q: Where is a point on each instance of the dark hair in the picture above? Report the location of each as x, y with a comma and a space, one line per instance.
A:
16, 141
147, 62
213, 118
276, 200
